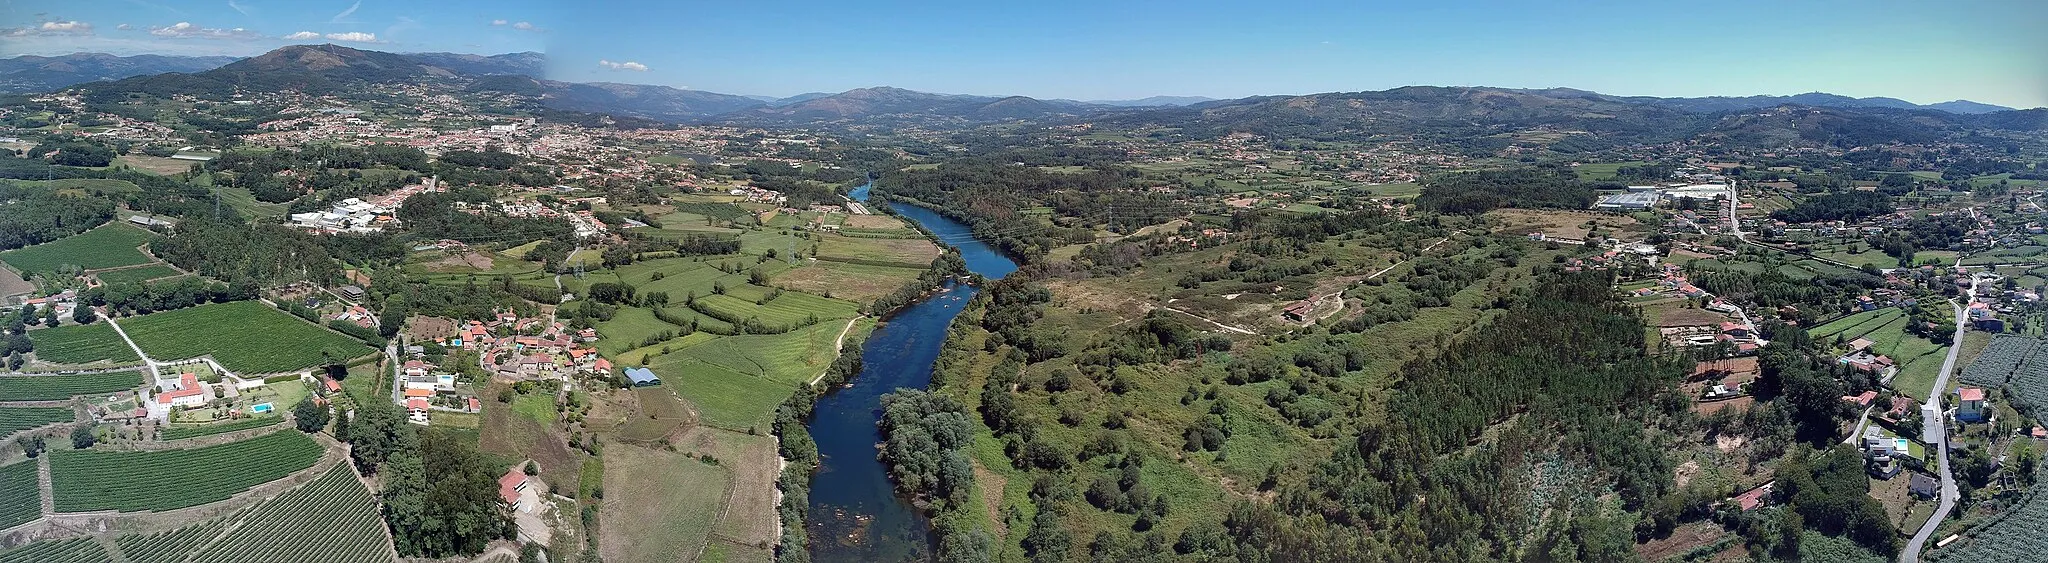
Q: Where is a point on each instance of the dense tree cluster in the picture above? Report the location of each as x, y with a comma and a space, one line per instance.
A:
1479, 191
139, 298
469, 215
455, 511
263, 254
30, 215
991, 198
1839, 206
74, 153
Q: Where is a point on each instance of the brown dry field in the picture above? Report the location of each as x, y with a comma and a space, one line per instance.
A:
1555, 223
877, 222
750, 514
856, 282
1685, 539
660, 414
509, 433
161, 166
907, 251
11, 284
460, 262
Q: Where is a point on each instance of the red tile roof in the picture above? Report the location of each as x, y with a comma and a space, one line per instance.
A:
1971, 394
188, 385
508, 485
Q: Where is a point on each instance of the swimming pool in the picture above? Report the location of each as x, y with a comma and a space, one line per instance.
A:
259, 408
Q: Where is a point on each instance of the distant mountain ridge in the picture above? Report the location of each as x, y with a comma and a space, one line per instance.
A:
31, 73
1711, 104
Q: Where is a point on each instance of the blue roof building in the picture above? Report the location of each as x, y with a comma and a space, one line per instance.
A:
642, 377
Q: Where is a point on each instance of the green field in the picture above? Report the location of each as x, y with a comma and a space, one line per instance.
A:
20, 501
74, 550
333, 519
183, 431
246, 337
735, 382
60, 387
109, 246
172, 546
16, 419
1855, 325
130, 481
138, 275
81, 344
1603, 170
97, 186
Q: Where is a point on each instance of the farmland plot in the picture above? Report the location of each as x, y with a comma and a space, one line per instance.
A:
81, 344
84, 480
19, 500
169, 547
183, 431
110, 246
74, 550
16, 419
2013, 535
244, 336
330, 520
1999, 360
138, 275
60, 387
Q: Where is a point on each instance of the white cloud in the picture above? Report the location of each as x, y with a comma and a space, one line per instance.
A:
237, 7
523, 26
124, 27
628, 65
303, 35
187, 30
354, 37
497, 22
78, 27
343, 16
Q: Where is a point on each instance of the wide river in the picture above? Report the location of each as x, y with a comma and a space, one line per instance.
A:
855, 514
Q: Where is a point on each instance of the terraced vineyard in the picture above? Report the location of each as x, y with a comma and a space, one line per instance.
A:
332, 519
80, 344
61, 387
183, 431
2012, 535
85, 480
75, 550
19, 500
244, 336
16, 419
169, 547
2029, 383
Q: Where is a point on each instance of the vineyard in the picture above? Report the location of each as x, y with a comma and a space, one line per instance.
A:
2012, 535
85, 480
2016, 363
138, 275
246, 337
81, 344
60, 387
183, 431
19, 500
169, 547
75, 550
16, 419
111, 246
332, 519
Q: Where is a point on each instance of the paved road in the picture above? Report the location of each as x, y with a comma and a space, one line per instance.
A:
1936, 429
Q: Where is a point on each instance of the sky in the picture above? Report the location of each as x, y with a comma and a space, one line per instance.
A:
1991, 51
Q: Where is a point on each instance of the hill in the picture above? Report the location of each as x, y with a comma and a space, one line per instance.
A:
31, 73
639, 100
889, 105
314, 69
1155, 101
527, 63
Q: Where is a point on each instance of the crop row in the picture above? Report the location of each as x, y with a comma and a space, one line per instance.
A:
2014, 535
332, 519
110, 246
60, 387
169, 547
74, 550
20, 501
2029, 384
85, 480
246, 337
1996, 364
81, 344
16, 419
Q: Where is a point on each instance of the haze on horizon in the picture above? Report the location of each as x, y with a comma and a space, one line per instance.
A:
1988, 51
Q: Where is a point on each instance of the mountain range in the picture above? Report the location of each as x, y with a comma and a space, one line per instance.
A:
31, 73
1482, 118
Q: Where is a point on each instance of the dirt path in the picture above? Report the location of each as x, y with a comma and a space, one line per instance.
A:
1218, 324
43, 485
838, 346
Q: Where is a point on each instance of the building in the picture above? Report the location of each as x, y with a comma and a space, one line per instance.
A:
509, 487
1631, 201
1923, 486
642, 377
187, 392
352, 292
1970, 404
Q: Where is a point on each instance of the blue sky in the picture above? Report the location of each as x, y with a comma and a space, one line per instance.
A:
1986, 50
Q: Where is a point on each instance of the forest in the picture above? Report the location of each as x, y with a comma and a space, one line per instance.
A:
453, 511
31, 215
1838, 206
990, 197
1479, 191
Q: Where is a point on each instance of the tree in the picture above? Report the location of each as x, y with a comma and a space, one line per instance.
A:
33, 446
83, 437
50, 317
309, 416
532, 469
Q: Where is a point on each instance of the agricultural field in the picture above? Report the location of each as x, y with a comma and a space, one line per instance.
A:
184, 431
74, 550
110, 246
2012, 535
81, 344
246, 337
19, 500
60, 387
332, 519
861, 283
898, 252
172, 546
85, 480
1996, 365
138, 275
660, 506
16, 419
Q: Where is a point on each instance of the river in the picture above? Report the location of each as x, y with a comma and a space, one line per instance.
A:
855, 514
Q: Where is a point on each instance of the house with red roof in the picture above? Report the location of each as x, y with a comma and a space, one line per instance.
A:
187, 392
510, 485
1970, 405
